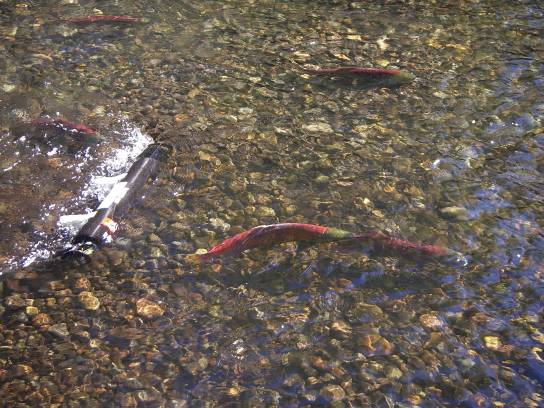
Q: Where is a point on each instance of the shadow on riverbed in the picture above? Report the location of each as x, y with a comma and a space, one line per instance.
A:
291, 274
356, 84
298, 275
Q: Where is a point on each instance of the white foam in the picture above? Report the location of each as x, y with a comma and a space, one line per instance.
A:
118, 162
131, 143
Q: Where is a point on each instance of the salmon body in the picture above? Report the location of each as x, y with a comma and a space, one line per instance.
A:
64, 125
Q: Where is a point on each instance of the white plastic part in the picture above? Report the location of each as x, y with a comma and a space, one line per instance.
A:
75, 220
108, 181
114, 196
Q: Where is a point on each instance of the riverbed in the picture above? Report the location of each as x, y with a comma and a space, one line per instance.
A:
453, 158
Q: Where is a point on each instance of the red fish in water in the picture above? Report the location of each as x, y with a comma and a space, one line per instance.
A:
64, 125
103, 19
375, 242
379, 243
265, 235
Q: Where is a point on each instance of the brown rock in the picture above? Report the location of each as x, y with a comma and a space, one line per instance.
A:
59, 330
41, 319
14, 302
21, 370
492, 342
148, 309
56, 285
374, 345
431, 322
83, 284
89, 301
332, 392
31, 310
340, 327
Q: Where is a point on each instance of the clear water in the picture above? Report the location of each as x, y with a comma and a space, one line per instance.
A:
453, 158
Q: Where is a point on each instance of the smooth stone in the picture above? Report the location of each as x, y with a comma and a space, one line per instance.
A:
322, 179
340, 327
245, 111
148, 309
220, 224
393, 373
116, 257
32, 310
318, 127
431, 322
41, 319
151, 264
14, 302
492, 342
89, 301
59, 330
83, 284
332, 392
154, 238
7, 88
155, 252
455, 213
22, 317
365, 313
265, 212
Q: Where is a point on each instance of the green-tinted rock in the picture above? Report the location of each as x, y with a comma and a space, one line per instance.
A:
59, 330
89, 301
455, 213
332, 392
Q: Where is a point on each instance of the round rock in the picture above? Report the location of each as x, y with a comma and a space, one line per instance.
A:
455, 213
148, 309
89, 301
431, 322
59, 330
332, 392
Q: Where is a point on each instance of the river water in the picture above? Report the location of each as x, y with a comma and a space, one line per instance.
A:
454, 158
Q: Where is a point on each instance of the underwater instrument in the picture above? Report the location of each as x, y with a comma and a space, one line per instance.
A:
100, 225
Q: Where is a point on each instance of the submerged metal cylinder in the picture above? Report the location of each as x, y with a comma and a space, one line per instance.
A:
99, 229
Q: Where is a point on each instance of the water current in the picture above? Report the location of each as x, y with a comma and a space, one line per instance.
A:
453, 157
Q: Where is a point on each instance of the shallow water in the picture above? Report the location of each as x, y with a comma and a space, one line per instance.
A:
453, 157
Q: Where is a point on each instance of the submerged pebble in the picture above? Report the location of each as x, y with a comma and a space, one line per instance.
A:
89, 301
431, 321
332, 393
15, 301
319, 127
59, 330
492, 342
448, 158
148, 309
455, 213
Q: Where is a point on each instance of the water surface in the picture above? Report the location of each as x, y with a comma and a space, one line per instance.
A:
452, 158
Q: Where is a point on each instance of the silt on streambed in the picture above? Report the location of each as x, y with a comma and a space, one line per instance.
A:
452, 158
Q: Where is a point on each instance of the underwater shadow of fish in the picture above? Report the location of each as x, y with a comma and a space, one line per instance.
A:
103, 19
358, 77
359, 84
296, 272
36, 277
286, 276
